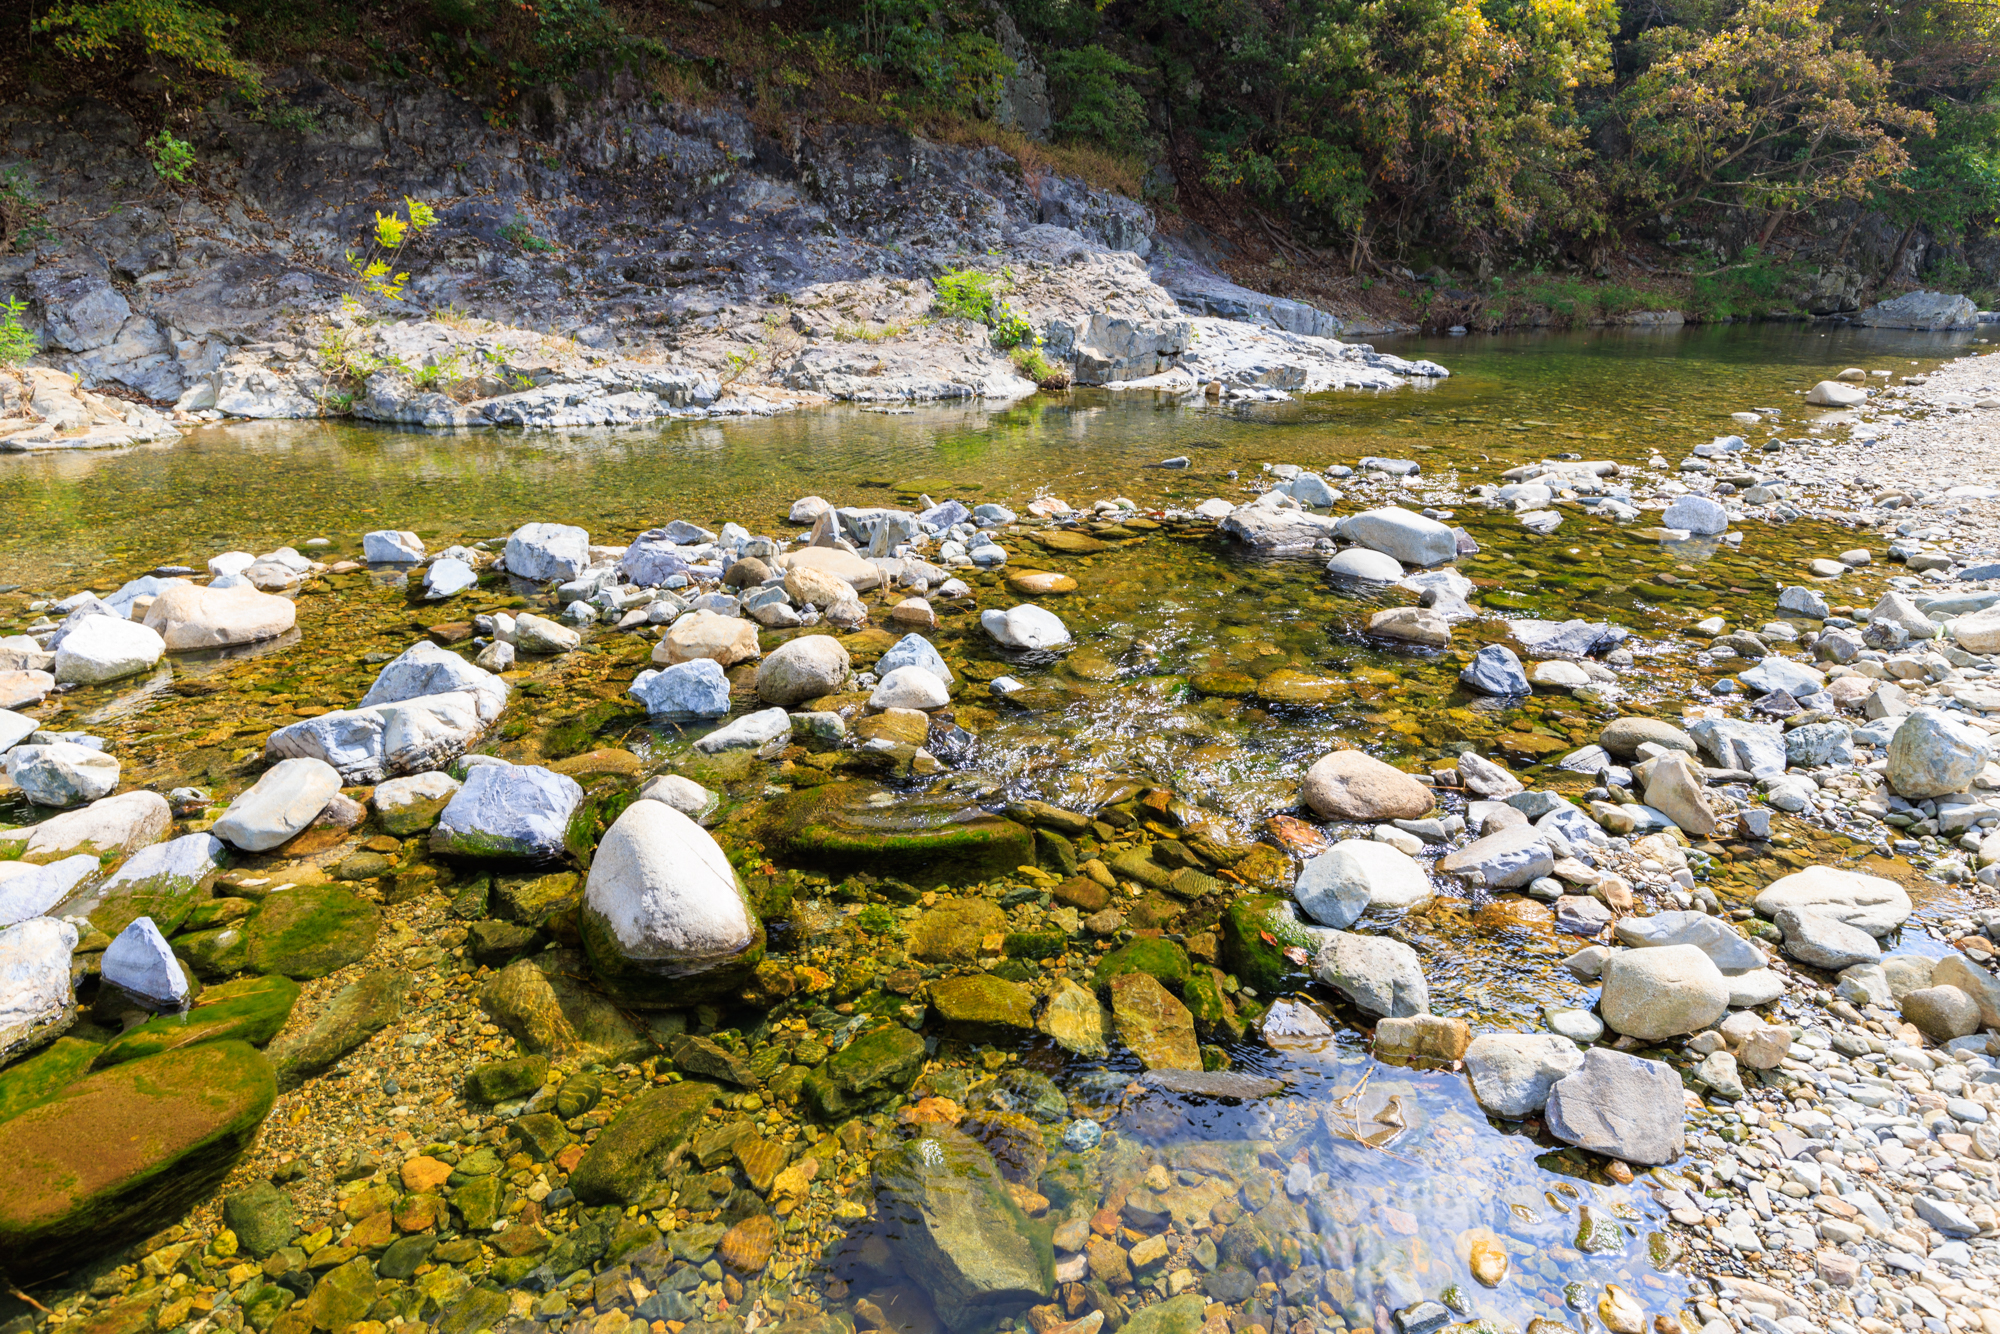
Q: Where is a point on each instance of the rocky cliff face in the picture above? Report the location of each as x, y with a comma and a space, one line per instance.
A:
611, 259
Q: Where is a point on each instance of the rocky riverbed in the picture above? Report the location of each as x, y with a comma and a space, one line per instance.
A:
896, 917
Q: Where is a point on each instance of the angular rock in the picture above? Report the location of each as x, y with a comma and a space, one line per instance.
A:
1933, 754
140, 963
946, 1213
424, 669
284, 800
1410, 538
1075, 1020
1823, 940
1156, 1027
512, 812
1506, 860
1377, 975
624, 1159
31, 891
1620, 1106
693, 689
62, 773
1755, 748
368, 745
1730, 951
914, 651
748, 732
112, 827
542, 552
390, 546
539, 634
871, 1069
1512, 1073
665, 921
1775, 673
1355, 874
1495, 670
1426, 1038
410, 805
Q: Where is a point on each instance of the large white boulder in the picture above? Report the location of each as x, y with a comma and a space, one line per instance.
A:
1933, 754
31, 891
910, 688
1025, 627
425, 669
102, 648
664, 919
697, 688
62, 773
189, 618
368, 745
545, 551
284, 800
36, 1001
1869, 902
1409, 537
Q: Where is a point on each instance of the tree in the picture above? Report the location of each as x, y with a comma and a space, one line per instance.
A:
180, 33
1768, 114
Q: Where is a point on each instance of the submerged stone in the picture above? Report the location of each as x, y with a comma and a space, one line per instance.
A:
310, 931
959, 1235
924, 840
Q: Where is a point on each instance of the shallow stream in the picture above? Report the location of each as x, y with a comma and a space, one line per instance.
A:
1195, 670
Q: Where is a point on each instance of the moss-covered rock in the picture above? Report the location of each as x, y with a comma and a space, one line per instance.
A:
250, 1009
505, 1081
123, 1152
624, 1158
532, 900
925, 841
357, 1011
1159, 958
1257, 929
955, 1230
47, 1073
955, 930
311, 931
263, 1219
223, 952
542, 1002
867, 1072
979, 1005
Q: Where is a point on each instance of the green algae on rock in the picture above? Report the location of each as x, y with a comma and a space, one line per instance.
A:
925, 841
979, 1005
870, 1070
357, 1011
250, 1009
1256, 931
125, 1151
943, 1205
42, 1076
311, 930
1159, 958
629, 1151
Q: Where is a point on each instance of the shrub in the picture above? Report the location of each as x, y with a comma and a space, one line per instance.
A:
973, 294
16, 343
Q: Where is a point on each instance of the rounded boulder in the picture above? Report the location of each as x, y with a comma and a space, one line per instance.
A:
802, 669
1351, 785
1659, 993
1356, 874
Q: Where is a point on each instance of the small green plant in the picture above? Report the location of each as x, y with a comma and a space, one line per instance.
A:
16, 343
172, 158
1033, 365
377, 269
523, 236
441, 376
875, 920
22, 215
295, 120
979, 296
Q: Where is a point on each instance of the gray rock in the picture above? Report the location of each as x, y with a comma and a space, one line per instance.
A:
683, 794
547, 551
1818, 744
1696, 514
1717, 1072
1378, 976
101, 648
1362, 565
1621, 1106
1755, 748
142, 965
448, 578
1941, 1013
1955, 970
1512, 1073
1494, 670
1901, 611
1581, 915
424, 669
368, 745
1799, 600
1776, 673
284, 800
1869, 902
909, 688
1722, 943
515, 812
652, 559
1343, 882
1933, 754
1410, 538
1944, 1215
36, 1000
81, 308
1277, 530
1310, 488
913, 650
28, 892
1506, 860
539, 634
1824, 941
1662, 991
748, 732
1623, 736
802, 669
1025, 627
392, 547
1567, 639
693, 689
1922, 310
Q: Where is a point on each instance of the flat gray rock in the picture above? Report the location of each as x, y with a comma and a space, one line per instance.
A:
1621, 1106
1512, 1073
1722, 943
747, 732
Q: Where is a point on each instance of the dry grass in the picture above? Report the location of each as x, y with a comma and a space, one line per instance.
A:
1118, 172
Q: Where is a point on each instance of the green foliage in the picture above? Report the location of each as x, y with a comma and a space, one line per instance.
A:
16, 343
979, 296
175, 33
1029, 360
942, 51
521, 232
1094, 97
376, 270
876, 920
172, 158
1753, 287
